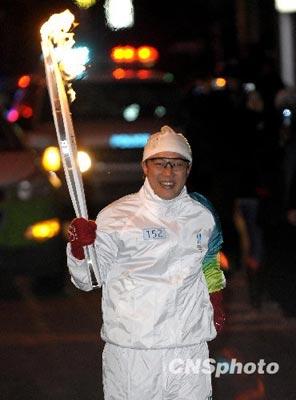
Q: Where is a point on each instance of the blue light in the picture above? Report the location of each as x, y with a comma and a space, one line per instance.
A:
128, 140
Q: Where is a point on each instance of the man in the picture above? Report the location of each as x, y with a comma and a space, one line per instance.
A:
157, 254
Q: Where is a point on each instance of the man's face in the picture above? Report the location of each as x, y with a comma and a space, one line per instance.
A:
166, 182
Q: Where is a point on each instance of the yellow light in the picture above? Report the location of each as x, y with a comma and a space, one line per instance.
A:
84, 161
43, 230
147, 54
220, 82
51, 159
123, 54
85, 3
129, 54
54, 180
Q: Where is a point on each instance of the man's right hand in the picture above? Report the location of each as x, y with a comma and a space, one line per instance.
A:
81, 232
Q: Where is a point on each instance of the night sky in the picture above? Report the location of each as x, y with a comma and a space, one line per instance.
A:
194, 35
160, 23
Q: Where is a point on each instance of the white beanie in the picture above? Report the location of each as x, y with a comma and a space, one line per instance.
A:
167, 140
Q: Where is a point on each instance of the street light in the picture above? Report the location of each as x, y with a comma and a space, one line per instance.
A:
119, 14
285, 8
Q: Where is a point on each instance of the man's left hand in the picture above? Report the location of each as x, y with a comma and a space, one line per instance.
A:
219, 314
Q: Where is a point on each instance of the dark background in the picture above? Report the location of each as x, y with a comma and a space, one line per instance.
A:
194, 37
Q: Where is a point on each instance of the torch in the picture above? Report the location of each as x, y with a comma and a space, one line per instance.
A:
57, 41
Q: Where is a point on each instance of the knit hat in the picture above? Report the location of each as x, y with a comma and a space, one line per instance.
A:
167, 140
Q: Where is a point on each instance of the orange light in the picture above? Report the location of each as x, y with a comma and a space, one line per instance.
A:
129, 73
144, 74
224, 263
24, 81
147, 54
27, 112
118, 73
121, 73
220, 82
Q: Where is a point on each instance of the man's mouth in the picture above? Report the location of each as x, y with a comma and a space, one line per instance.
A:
167, 185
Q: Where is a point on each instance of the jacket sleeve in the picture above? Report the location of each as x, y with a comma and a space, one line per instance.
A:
106, 251
211, 263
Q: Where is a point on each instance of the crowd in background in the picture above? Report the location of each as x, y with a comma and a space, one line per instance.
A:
244, 145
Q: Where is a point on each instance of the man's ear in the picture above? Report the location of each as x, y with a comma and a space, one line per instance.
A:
189, 169
144, 167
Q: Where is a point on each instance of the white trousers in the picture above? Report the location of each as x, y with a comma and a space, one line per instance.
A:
164, 374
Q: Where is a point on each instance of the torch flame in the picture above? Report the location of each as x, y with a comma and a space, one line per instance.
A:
58, 26
57, 30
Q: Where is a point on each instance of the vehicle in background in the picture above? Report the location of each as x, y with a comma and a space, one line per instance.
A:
115, 110
31, 227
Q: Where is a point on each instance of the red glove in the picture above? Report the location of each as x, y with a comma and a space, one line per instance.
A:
81, 232
219, 314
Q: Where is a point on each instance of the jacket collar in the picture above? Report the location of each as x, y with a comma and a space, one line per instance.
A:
158, 205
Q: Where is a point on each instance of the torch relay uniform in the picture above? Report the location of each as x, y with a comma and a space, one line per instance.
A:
158, 260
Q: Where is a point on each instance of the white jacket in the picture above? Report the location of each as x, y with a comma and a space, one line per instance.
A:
150, 253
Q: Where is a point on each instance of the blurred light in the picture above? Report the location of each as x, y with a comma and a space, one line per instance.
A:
125, 54
220, 83
168, 77
287, 113
84, 161
128, 140
12, 115
131, 112
128, 54
119, 13
160, 111
27, 112
24, 81
224, 263
54, 180
85, 3
24, 190
250, 87
56, 24
144, 74
51, 159
43, 230
73, 61
121, 73
285, 6
147, 54
118, 73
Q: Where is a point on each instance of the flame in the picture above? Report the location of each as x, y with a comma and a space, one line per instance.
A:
58, 26
57, 30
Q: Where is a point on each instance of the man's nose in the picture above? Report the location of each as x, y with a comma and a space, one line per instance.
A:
168, 170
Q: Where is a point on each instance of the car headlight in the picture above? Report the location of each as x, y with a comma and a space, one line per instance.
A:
43, 230
84, 161
51, 159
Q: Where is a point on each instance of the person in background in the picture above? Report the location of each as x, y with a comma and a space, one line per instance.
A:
158, 258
